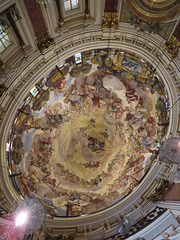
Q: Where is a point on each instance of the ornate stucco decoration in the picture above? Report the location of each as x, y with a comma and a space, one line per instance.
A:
110, 20
37, 63
92, 108
157, 5
154, 10
172, 46
157, 195
44, 41
151, 27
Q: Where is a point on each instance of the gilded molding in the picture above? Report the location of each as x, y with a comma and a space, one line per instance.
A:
155, 15
110, 20
172, 46
152, 5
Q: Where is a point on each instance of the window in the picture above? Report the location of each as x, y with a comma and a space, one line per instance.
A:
7, 147
5, 40
70, 4
34, 91
78, 57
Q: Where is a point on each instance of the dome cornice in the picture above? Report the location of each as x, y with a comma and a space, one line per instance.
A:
23, 75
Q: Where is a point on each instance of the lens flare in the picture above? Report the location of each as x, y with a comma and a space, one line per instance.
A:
21, 219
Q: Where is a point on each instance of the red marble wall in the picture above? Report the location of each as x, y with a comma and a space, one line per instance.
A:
177, 32
111, 5
173, 194
35, 14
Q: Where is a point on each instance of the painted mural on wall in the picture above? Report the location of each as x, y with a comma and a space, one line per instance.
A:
85, 140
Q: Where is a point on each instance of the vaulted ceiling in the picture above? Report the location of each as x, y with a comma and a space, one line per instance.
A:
88, 91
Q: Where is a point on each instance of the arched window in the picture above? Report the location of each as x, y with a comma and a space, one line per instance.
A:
5, 40
70, 4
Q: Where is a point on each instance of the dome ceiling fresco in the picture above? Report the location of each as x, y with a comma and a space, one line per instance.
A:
86, 137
